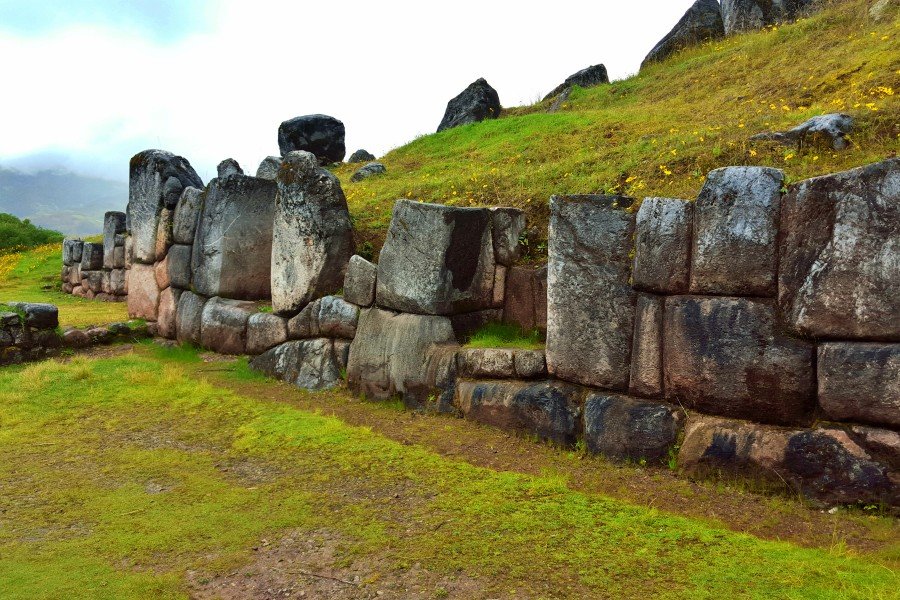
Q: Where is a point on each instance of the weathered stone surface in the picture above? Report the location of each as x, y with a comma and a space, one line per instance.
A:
94, 281
313, 236
189, 317
860, 382
91, 257
164, 234
525, 298
499, 288
587, 77
701, 22
390, 350
453, 269
75, 338
309, 364
498, 363
337, 318
829, 131
507, 226
268, 168
117, 279
232, 251
305, 324
550, 410
113, 225
178, 262
166, 316
118, 257
662, 259
361, 156
882, 444
342, 353
119, 239
228, 167
735, 230
321, 135
465, 324
359, 282
627, 428
72, 252
368, 170
38, 315
187, 211
161, 270
839, 256
264, 331
726, 356
75, 274
646, 359
590, 302
750, 15
224, 325
129, 251
476, 103
530, 364
882, 10
143, 293
155, 177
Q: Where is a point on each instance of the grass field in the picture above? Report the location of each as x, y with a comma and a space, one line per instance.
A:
659, 133
33, 276
165, 480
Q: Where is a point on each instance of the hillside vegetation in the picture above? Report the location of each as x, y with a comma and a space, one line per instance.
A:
659, 133
18, 234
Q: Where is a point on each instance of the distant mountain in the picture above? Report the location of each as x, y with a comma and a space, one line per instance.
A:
61, 200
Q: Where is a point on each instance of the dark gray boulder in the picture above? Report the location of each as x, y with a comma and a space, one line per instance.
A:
860, 381
369, 170
187, 212
71, 252
227, 167
588, 77
308, 364
453, 268
627, 428
38, 315
590, 301
321, 135
359, 282
157, 179
361, 156
838, 274
91, 257
735, 229
113, 225
740, 16
828, 131
312, 241
727, 356
232, 251
662, 253
268, 168
476, 103
701, 22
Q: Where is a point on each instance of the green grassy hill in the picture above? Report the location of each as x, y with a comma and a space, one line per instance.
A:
659, 133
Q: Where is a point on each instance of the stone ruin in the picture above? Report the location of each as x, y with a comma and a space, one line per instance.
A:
97, 271
754, 331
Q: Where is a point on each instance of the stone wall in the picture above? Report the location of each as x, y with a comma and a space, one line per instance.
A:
97, 271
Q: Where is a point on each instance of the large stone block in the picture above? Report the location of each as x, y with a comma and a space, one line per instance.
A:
166, 317
727, 356
478, 363
117, 285
436, 260
38, 315
164, 235
390, 350
91, 257
178, 262
310, 364
224, 325
590, 302
330, 316
359, 282
187, 213
265, 331
646, 359
860, 382
735, 230
508, 225
75, 274
232, 252
320, 135
143, 293
662, 259
525, 298
550, 410
839, 257
312, 240
162, 273
189, 317
741, 16
157, 179
72, 252
627, 428
113, 225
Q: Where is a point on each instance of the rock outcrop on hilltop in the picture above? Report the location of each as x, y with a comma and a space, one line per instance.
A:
321, 135
588, 77
741, 16
701, 22
476, 103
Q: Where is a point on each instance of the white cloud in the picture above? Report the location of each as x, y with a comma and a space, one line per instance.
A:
386, 69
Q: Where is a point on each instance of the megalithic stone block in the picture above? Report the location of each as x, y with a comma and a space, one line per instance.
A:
232, 252
157, 179
662, 254
187, 211
72, 251
312, 240
91, 257
590, 302
113, 225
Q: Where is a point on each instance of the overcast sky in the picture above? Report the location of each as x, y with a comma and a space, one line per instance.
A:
88, 83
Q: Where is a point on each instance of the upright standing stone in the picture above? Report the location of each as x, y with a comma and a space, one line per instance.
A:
436, 260
860, 381
232, 252
157, 179
189, 317
590, 302
839, 256
312, 240
113, 225
646, 361
662, 259
735, 230
143, 293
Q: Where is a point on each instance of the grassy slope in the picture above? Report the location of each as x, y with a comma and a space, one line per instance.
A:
118, 493
25, 275
660, 132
